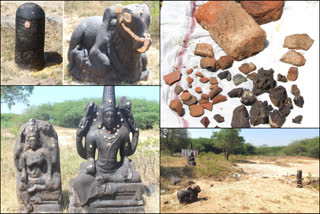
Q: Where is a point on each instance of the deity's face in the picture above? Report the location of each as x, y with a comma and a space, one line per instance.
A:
32, 140
109, 119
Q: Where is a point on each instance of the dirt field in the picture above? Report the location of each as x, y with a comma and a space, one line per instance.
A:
52, 72
267, 187
75, 12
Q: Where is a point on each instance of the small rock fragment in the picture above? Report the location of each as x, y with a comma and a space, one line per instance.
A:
299, 101
276, 119
218, 99
282, 78
213, 80
189, 71
236, 92
224, 62
189, 80
259, 113
297, 119
185, 96
190, 85
205, 121
172, 77
208, 63
246, 68
207, 105
195, 67
251, 75
199, 74
198, 90
176, 105
295, 90
214, 92
218, 118
298, 41
225, 74
240, 117
204, 49
192, 101
292, 74
278, 95
248, 98
204, 79
263, 81
294, 58
178, 89
204, 96
202, 101
238, 79
196, 110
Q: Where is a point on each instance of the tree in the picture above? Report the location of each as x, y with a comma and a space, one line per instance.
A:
226, 140
174, 139
13, 94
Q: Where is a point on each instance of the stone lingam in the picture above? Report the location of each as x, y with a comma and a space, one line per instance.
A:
111, 49
107, 185
37, 162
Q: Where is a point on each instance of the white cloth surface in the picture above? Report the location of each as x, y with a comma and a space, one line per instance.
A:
298, 17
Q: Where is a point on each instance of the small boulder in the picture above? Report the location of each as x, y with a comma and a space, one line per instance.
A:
294, 58
263, 82
259, 113
204, 50
292, 74
240, 117
297, 119
278, 95
248, 98
299, 101
238, 79
298, 41
286, 106
246, 68
172, 77
276, 119
236, 92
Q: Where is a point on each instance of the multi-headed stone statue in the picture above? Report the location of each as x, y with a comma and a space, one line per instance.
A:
107, 184
37, 161
111, 48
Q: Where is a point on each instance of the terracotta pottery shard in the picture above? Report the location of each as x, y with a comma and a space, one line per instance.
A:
185, 96
218, 99
204, 79
204, 96
294, 58
232, 28
247, 68
214, 92
192, 101
218, 118
292, 74
224, 62
298, 41
189, 80
176, 105
204, 49
213, 80
196, 110
199, 74
205, 121
172, 77
198, 90
189, 71
208, 63
207, 106
295, 90
178, 89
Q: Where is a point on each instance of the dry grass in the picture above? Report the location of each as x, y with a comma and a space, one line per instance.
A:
146, 160
52, 73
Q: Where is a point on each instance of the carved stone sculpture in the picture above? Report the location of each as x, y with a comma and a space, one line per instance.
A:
111, 48
106, 184
191, 160
37, 162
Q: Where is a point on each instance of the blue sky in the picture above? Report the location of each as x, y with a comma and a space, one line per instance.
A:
55, 94
258, 137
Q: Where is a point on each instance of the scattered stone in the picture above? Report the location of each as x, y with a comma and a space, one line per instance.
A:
213, 86
263, 82
196, 110
199, 74
204, 79
232, 28
218, 118
195, 67
214, 92
292, 74
276, 119
282, 78
189, 71
189, 80
172, 77
264, 11
286, 106
218, 99
205, 121
259, 113
207, 106
297, 119
205, 96
190, 85
176, 106
198, 90
225, 74
251, 75
298, 41
294, 58
178, 89
248, 98
247, 68
185, 96
278, 95
236, 92
213, 81
202, 101
240, 117
208, 63
224, 62
295, 90
204, 49
166, 202
299, 101
238, 79
192, 101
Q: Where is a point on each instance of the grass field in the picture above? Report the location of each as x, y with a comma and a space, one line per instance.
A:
146, 161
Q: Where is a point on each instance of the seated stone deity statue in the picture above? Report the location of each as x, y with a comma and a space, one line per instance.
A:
38, 168
107, 130
111, 49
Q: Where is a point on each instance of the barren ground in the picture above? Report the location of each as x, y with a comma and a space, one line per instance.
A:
266, 187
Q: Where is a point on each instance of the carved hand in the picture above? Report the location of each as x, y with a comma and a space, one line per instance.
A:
23, 178
91, 166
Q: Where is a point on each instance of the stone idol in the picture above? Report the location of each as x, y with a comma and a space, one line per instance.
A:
111, 49
37, 162
106, 184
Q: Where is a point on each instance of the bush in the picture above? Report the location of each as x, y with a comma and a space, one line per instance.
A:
306, 147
